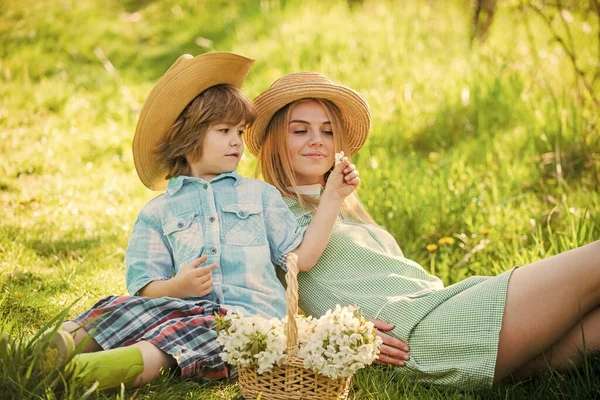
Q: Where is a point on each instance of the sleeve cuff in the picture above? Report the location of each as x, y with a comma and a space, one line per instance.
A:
134, 288
282, 260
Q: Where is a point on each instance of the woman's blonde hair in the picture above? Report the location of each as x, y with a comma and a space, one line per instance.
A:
217, 104
275, 167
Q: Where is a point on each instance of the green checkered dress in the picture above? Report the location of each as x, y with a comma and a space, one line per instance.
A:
452, 331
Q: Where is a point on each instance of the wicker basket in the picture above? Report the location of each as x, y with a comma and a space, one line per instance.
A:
291, 381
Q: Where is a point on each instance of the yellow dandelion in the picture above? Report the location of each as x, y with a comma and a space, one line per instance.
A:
18, 295
433, 157
431, 247
446, 240
485, 231
551, 181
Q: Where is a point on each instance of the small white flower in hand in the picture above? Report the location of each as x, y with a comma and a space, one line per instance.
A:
343, 178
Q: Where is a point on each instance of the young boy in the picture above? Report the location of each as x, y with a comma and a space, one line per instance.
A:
189, 141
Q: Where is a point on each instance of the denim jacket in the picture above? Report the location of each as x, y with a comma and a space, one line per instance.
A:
243, 225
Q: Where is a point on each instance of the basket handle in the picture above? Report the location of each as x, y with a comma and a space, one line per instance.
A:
291, 299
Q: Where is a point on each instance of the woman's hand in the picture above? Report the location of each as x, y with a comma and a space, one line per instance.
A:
343, 180
393, 351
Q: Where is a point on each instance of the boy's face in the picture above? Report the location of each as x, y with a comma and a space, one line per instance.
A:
222, 150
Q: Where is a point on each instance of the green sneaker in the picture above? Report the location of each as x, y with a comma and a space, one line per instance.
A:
109, 368
60, 348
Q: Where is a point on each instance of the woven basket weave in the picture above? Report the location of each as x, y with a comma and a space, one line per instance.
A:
291, 381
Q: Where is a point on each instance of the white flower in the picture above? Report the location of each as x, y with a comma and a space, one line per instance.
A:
335, 345
252, 340
341, 343
338, 157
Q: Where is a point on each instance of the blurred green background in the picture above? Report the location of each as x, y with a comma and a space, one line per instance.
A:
484, 151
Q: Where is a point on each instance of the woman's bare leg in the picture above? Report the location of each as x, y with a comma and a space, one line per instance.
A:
568, 351
544, 302
79, 334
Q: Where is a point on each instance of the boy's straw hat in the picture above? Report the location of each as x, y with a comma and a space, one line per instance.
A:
355, 111
187, 78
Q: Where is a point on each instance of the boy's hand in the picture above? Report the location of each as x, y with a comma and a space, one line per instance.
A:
343, 180
193, 280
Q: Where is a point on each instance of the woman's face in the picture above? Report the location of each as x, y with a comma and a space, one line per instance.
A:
310, 142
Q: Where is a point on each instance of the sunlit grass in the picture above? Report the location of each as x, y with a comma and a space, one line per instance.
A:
480, 158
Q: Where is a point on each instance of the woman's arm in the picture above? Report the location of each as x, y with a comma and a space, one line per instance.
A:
342, 181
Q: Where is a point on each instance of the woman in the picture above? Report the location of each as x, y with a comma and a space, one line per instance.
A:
471, 334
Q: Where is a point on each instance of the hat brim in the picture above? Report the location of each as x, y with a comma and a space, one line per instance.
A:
355, 111
186, 79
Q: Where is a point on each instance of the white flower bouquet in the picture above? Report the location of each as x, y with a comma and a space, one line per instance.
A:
303, 356
336, 345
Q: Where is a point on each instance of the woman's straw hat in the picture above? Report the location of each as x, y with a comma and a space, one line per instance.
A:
355, 111
187, 78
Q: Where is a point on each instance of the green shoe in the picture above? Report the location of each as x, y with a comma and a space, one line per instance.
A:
109, 368
60, 348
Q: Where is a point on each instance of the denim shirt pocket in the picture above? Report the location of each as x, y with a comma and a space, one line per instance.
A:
184, 234
243, 224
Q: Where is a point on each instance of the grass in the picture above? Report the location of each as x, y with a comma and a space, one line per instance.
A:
481, 149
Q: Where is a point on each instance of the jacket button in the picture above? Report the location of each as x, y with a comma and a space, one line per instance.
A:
205, 186
180, 224
212, 219
213, 251
242, 214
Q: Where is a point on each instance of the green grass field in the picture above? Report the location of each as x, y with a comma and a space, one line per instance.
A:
489, 146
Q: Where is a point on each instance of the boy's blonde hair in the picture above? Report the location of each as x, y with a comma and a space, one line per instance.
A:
217, 104
276, 168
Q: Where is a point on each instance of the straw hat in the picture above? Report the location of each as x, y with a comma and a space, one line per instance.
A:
187, 78
355, 111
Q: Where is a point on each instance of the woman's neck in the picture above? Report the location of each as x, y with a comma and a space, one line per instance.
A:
302, 181
310, 190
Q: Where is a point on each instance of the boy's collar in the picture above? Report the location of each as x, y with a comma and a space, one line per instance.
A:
176, 183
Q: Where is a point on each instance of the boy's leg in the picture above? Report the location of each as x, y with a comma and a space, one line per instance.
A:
155, 360
171, 325
133, 366
109, 368
79, 334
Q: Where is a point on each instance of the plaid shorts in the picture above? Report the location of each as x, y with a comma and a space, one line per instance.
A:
178, 328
